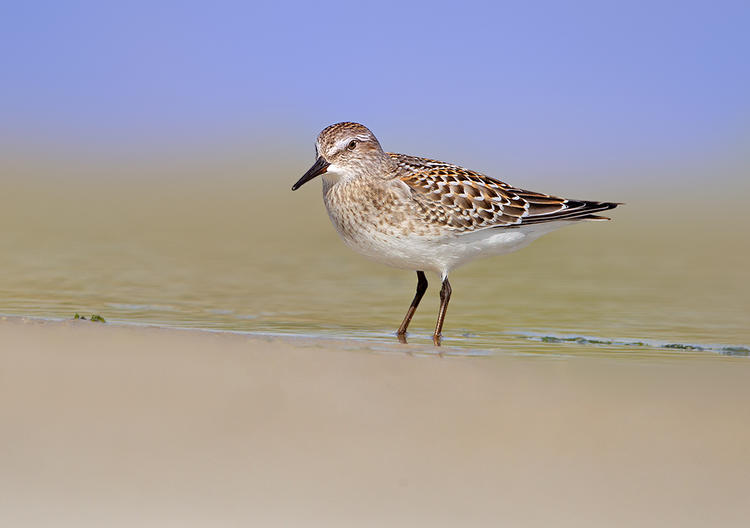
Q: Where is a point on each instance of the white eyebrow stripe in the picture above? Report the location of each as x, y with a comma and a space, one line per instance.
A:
342, 143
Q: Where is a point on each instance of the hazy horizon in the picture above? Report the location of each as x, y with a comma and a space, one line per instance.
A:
544, 89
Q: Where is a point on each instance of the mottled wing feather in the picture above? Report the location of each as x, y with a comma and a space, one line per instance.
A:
464, 200
413, 164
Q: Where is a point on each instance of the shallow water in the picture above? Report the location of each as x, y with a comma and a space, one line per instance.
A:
251, 256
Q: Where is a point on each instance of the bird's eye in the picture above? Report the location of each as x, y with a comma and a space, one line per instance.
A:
352, 145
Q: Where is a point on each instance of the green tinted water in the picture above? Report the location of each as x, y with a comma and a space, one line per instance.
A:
663, 278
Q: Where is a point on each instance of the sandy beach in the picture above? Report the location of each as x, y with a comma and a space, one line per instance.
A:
109, 425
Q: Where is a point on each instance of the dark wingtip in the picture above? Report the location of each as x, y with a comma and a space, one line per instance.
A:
594, 217
582, 210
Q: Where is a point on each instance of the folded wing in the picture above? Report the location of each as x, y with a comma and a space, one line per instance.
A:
465, 200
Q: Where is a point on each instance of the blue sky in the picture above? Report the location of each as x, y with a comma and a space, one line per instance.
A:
529, 82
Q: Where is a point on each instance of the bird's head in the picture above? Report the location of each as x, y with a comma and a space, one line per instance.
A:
345, 150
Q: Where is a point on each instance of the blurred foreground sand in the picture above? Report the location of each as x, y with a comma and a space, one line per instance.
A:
105, 425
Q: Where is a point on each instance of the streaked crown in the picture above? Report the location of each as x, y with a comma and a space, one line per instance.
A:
352, 146
338, 137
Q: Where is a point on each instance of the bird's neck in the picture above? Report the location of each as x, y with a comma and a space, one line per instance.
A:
382, 170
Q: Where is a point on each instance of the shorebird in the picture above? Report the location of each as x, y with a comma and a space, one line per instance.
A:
423, 215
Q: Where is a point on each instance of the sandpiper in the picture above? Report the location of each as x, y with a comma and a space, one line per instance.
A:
426, 215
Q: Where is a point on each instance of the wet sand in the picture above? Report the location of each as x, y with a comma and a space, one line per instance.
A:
107, 425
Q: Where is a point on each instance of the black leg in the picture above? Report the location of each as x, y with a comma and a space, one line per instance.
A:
445, 297
421, 288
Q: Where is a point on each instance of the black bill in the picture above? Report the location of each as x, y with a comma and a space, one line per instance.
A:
318, 168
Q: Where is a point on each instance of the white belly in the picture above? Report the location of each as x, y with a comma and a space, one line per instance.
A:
440, 254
